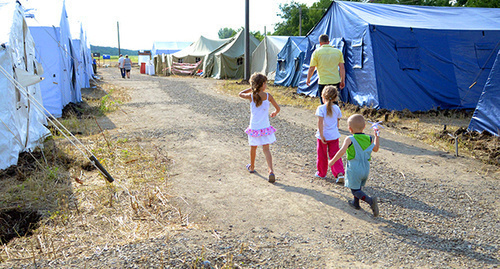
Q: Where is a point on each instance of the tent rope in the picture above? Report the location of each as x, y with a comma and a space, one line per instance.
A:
60, 127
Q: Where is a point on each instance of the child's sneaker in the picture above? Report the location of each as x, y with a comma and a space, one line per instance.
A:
340, 179
351, 203
374, 206
317, 175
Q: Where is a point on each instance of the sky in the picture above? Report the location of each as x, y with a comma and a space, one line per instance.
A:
145, 21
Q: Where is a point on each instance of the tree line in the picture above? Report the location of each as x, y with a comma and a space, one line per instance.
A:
112, 50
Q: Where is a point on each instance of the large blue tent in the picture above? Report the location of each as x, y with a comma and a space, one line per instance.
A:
409, 57
487, 114
290, 60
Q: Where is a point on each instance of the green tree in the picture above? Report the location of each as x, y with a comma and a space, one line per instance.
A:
226, 33
480, 3
258, 35
290, 14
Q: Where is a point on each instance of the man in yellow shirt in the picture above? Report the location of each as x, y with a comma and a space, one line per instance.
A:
330, 64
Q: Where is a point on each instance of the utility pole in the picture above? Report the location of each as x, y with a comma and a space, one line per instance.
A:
118, 30
247, 41
300, 20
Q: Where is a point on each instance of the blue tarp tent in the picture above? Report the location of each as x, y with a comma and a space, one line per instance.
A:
290, 60
414, 57
487, 114
168, 47
56, 53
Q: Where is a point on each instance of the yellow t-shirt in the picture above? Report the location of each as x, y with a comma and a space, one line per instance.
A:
326, 59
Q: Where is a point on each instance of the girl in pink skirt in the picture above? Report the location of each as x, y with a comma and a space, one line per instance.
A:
260, 132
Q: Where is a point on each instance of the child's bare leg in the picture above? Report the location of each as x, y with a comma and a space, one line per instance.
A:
269, 158
253, 154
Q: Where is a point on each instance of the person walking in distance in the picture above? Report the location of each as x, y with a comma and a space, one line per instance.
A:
120, 65
260, 132
330, 64
127, 65
328, 135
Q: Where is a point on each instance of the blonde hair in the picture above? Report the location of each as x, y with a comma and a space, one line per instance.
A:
356, 122
330, 95
257, 80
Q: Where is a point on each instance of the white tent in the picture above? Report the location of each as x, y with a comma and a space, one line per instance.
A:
55, 50
197, 51
228, 61
264, 57
21, 124
190, 59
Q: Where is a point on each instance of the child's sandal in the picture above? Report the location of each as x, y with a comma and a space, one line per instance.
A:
272, 177
248, 168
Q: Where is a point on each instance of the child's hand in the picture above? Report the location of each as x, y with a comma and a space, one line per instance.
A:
323, 140
274, 114
376, 132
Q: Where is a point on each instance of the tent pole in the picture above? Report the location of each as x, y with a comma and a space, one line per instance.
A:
118, 31
247, 40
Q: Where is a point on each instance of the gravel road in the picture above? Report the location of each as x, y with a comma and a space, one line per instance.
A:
428, 219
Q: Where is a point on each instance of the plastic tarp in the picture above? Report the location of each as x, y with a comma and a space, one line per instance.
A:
55, 50
21, 124
150, 68
487, 114
290, 60
409, 57
228, 61
168, 47
264, 57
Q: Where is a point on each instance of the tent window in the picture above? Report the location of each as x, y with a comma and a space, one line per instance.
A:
485, 54
357, 53
281, 65
408, 55
180, 61
197, 59
297, 63
239, 61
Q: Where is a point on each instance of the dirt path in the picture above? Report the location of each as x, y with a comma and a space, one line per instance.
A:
306, 221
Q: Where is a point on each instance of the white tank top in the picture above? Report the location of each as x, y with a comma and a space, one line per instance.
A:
259, 118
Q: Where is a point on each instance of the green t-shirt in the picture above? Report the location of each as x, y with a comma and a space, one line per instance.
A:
326, 59
363, 140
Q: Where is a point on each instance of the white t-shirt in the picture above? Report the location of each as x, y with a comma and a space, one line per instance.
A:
330, 128
120, 62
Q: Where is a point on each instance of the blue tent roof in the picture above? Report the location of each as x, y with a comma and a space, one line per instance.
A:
168, 47
290, 59
409, 57
425, 17
487, 113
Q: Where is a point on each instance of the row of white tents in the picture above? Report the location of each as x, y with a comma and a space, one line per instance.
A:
42, 69
224, 58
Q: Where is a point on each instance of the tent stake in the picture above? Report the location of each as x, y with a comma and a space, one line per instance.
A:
456, 144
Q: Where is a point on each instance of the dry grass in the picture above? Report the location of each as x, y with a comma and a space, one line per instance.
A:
80, 212
431, 127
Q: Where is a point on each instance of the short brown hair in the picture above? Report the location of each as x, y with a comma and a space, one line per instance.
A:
324, 39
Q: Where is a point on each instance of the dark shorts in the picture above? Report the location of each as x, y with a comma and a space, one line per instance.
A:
321, 87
